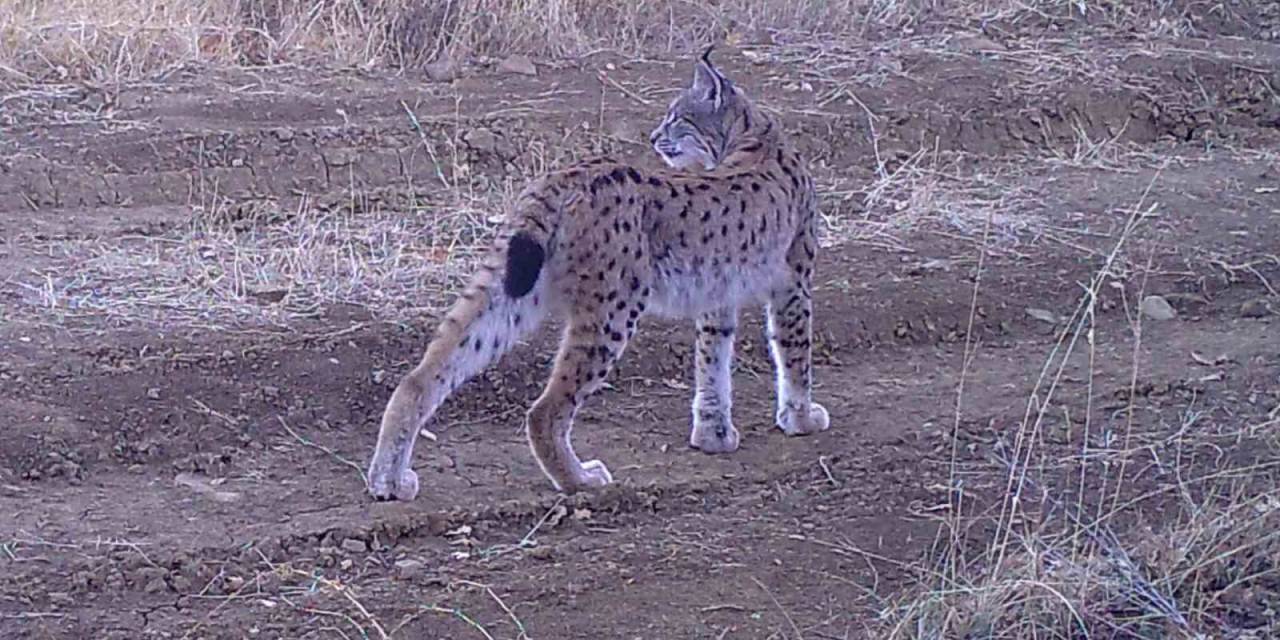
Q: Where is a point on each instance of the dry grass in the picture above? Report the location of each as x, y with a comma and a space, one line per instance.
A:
258, 263
1161, 534
232, 266
98, 41
928, 190
1204, 574
104, 42
255, 263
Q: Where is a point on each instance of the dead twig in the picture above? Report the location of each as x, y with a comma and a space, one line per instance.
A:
320, 447
822, 462
604, 77
790, 620
502, 605
546, 516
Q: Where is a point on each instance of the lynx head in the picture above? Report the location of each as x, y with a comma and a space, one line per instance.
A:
699, 127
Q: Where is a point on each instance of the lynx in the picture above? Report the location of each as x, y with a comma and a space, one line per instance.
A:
601, 244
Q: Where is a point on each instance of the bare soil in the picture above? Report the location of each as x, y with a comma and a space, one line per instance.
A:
164, 474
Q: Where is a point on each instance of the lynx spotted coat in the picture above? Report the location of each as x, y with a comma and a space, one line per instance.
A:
601, 244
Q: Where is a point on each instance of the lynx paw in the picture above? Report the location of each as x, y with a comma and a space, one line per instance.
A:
593, 475
795, 423
389, 486
714, 437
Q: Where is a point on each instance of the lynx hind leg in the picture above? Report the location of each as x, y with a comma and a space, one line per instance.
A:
789, 322
592, 343
390, 475
479, 330
713, 430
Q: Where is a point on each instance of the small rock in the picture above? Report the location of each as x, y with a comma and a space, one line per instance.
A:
518, 64
269, 296
1257, 308
354, 545
408, 564
153, 393
481, 139
1043, 315
442, 69
283, 134
153, 579
628, 129
268, 582
83, 580
1157, 308
761, 36
205, 487
977, 42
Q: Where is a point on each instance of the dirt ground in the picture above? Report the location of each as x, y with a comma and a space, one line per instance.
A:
180, 456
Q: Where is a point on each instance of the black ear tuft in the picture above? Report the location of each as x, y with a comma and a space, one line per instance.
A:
706, 55
708, 80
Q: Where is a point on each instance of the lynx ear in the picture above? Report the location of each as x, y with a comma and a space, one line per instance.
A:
707, 80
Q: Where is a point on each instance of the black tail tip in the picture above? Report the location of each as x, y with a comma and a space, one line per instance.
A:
524, 262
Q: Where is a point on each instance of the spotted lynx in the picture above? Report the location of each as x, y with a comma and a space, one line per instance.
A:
601, 244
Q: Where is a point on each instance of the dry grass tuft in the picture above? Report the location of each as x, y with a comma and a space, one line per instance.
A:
1207, 571
1070, 550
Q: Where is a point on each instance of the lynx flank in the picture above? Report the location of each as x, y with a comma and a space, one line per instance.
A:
601, 244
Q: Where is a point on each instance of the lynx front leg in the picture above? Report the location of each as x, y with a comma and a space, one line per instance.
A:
713, 430
587, 353
790, 326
